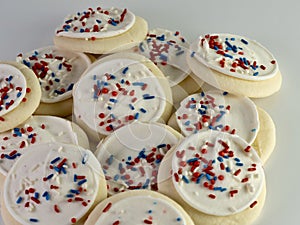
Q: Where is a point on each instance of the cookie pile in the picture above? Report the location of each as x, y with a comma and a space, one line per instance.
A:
118, 124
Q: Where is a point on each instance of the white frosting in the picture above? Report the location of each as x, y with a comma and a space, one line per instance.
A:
141, 210
218, 110
117, 92
97, 23
12, 88
130, 157
217, 173
36, 130
235, 56
168, 50
44, 189
57, 70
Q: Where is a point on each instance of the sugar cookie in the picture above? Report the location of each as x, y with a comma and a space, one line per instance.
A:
58, 71
168, 50
20, 94
215, 177
101, 31
139, 207
53, 183
117, 90
130, 156
235, 64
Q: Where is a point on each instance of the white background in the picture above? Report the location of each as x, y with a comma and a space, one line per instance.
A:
29, 24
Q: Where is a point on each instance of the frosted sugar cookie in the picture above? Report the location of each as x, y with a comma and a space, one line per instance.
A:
216, 177
139, 207
235, 64
130, 156
120, 89
217, 110
58, 71
20, 94
101, 31
53, 183
168, 50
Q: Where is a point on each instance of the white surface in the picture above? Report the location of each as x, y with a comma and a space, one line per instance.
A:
30, 24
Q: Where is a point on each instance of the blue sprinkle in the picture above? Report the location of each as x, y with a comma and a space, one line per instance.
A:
225, 93
84, 159
148, 97
49, 176
208, 177
131, 106
113, 22
146, 184
253, 130
192, 160
82, 182
218, 188
70, 87
19, 200
255, 74
26, 63
237, 159
150, 211
143, 110
179, 53
122, 81
94, 77
244, 41
187, 123
33, 220
125, 70
161, 38
228, 169
19, 94
81, 30
98, 21
239, 164
116, 177
46, 195
109, 107
63, 170
68, 21
220, 159
193, 54
120, 166
216, 48
57, 80
185, 179
136, 116
229, 56
161, 146
178, 219
36, 53
110, 160
36, 195
138, 83
56, 169
163, 57
113, 100
69, 196
199, 178
60, 66
73, 191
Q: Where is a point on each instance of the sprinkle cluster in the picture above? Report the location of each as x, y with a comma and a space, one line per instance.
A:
160, 46
51, 69
93, 21
234, 54
203, 114
213, 166
116, 90
10, 94
20, 138
134, 172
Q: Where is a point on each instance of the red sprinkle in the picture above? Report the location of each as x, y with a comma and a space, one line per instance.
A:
212, 196
107, 207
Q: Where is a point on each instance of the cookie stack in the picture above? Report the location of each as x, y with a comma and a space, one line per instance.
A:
118, 124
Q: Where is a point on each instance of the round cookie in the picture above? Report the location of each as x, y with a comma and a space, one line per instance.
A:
235, 64
130, 156
139, 207
57, 71
168, 50
20, 94
101, 31
117, 90
216, 177
217, 110
53, 183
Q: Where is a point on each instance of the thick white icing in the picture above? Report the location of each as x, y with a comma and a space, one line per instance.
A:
12, 88
217, 110
57, 70
97, 23
235, 56
130, 157
44, 189
117, 92
142, 210
168, 50
217, 173
35, 130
